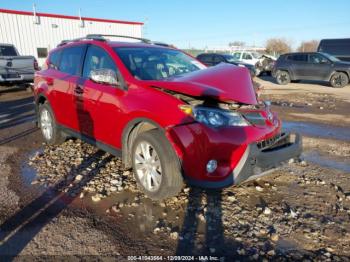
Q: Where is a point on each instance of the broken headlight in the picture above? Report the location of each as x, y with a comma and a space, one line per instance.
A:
218, 117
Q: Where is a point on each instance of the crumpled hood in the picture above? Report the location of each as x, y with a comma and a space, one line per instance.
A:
224, 82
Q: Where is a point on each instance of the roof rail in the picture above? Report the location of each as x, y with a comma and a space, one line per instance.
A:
101, 37
121, 36
88, 37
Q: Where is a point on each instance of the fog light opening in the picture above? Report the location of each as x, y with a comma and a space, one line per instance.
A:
212, 165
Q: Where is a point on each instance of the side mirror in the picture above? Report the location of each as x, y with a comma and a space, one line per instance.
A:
104, 76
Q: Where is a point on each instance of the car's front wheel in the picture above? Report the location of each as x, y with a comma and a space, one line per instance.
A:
282, 77
47, 123
156, 166
339, 79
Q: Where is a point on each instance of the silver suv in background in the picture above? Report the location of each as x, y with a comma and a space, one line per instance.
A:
15, 68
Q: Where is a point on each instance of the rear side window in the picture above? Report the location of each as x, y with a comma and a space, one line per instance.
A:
71, 60
298, 57
54, 59
7, 51
97, 58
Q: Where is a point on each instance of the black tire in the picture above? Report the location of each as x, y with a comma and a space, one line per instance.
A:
282, 77
339, 80
171, 175
57, 136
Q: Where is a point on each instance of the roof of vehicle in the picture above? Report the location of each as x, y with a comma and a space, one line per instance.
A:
93, 38
300, 53
119, 44
335, 39
214, 54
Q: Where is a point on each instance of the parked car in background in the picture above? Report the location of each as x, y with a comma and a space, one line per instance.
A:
311, 66
212, 59
262, 63
340, 48
167, 115
15, 68
266, 64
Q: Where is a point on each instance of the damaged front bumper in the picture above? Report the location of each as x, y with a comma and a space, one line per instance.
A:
259, 159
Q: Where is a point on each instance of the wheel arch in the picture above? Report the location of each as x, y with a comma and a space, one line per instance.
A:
289, 71
339, 71
40, 100
130, 132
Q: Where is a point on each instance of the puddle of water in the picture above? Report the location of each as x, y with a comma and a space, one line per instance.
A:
28, 173
326, 161
318, 130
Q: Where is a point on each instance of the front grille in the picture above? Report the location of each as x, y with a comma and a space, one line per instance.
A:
273, 142
255, 118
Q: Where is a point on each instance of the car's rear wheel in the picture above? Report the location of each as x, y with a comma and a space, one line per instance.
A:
156, 166
48, 126
339, 79
282, 77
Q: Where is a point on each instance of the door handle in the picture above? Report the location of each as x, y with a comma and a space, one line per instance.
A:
78, 90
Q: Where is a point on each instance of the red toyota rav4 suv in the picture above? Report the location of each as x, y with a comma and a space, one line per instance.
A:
168, 116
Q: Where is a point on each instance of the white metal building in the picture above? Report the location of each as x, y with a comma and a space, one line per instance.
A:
36, 33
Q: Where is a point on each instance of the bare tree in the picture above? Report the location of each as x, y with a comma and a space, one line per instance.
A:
277, 46
308, 46
237, 43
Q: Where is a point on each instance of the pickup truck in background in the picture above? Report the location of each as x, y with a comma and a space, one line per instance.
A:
16, 69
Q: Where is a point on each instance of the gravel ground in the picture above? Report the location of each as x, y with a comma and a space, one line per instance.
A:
8, 198
75, 200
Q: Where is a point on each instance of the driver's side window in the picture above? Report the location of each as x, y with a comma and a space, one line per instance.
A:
317, 59
96, 58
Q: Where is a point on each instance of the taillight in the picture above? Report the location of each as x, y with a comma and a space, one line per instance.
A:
36, 66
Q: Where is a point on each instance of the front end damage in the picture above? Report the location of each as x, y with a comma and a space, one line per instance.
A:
241, 153
233, 137
238, 155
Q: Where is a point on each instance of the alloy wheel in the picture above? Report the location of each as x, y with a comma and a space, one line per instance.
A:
339, 80
148, 166
283, 78
46, 124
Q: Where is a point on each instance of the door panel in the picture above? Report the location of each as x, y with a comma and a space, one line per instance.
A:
68, 72
99, 105
99, 111
301, 70
320, 67
61, 98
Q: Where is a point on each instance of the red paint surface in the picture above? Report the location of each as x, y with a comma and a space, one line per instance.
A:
224, 82
103, 112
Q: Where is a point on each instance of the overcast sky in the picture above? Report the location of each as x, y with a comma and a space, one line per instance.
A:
200, 23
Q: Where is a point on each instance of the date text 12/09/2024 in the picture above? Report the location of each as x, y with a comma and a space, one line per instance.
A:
173, 258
